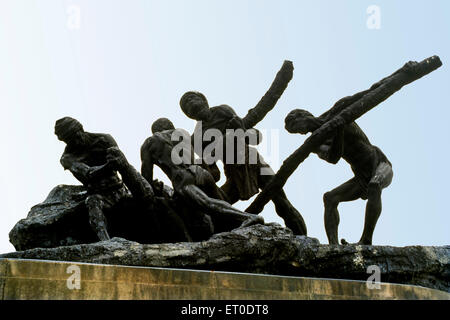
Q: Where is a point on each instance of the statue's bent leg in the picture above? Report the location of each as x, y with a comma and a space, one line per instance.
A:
292, 218
215, 206
96, 205
205, 181
349, 191
381, 179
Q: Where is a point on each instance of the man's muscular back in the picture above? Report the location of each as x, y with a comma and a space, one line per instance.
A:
362, 156
91, 152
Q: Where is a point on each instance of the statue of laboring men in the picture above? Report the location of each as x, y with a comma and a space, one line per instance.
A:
85, 156
244, 180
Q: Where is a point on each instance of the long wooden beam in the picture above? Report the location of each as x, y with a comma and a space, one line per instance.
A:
379, 92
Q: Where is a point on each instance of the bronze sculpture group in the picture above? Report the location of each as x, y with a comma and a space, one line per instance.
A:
196, 208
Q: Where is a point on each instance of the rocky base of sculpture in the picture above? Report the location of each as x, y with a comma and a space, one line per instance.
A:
58, 229
266, 249
62, 220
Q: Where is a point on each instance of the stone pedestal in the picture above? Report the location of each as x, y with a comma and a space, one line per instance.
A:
38, 279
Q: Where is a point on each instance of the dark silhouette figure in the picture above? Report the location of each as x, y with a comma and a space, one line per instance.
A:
85, 156
164, 223
193, 184
243, 180
373, 171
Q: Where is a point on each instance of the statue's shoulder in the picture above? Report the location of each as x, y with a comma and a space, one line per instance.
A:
147, 143
103, 138
355, 130
180, 132
154, 141
223, 110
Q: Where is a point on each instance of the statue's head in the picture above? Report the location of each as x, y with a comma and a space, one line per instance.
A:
300, 121
162, 124
195, 105
68, 129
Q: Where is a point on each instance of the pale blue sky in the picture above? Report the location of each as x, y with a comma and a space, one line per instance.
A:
130, 61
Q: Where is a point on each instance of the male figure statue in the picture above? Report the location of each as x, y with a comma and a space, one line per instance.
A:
191, 182
373, 171
243, 180
165, 225
85, 156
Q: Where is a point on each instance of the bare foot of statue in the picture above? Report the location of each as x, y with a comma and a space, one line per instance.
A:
360, 242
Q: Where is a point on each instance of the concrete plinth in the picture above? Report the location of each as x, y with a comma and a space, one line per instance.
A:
35, 279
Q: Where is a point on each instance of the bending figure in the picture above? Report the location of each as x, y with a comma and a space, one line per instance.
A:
373, 171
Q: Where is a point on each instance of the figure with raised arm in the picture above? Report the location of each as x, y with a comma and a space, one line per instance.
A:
244, 180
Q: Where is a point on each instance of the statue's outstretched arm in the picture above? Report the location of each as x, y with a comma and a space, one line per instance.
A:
343, 103
380, 91
268, 101
216, 207
79, 169
136, 183
147, 170
146, 160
